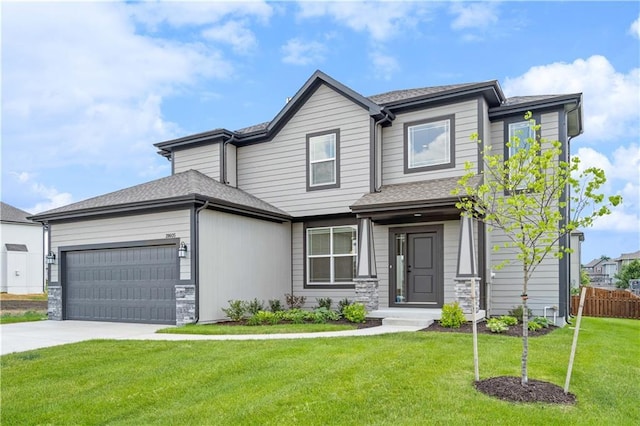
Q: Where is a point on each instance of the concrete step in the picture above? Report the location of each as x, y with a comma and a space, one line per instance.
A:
409, 322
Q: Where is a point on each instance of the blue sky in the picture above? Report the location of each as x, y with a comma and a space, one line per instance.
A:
88, 87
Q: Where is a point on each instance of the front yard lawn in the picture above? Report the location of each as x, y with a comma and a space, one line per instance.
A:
11, 318
398, 379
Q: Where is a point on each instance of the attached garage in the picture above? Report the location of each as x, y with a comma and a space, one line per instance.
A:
127, 284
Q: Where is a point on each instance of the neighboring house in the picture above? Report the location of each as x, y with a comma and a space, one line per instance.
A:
21, 252
601, 272
626, 258
340, 195
577, 237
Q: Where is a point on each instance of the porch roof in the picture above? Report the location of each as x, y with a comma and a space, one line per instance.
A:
430, 194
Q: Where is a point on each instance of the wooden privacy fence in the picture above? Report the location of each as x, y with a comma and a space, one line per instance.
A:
600, 302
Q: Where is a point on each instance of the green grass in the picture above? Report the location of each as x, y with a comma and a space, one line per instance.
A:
212, 329
397, 379
9, 318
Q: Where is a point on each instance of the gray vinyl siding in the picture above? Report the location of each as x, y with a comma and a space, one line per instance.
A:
241, 258
298, 278
275, 171
505, 287
152, 226
203, 158
466, 123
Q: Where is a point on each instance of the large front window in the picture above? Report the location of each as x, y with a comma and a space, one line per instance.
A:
429, 144
331, 254
322, 153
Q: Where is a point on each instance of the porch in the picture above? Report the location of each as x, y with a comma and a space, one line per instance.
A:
415, 316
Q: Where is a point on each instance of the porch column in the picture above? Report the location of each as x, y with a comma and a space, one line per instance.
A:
467, 291
366, 280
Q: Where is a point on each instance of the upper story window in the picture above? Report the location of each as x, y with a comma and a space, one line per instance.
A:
521, 133
323, 160
429, 144
331, 254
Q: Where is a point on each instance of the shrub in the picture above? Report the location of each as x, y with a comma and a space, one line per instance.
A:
295, 302
542, 321
508, 320
324, 302
263, 317
236, 310
355, 312
517, 313
296, 315
275, 305
452, 315
322, 315
343, 304
497, 325
255, 306
533, 326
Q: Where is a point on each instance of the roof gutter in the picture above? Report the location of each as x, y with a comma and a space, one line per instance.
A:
387, 117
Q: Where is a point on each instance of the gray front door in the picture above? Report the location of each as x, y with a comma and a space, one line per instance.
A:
131, 284
416, 266
422, 271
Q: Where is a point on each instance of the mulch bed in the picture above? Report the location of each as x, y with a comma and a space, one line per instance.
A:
515, 330
23, 305
510, 389
368, 322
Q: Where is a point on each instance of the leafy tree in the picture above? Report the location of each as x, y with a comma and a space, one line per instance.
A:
630, 271
585, 280
523, 196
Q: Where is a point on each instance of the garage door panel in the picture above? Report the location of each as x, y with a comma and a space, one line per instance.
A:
125, 284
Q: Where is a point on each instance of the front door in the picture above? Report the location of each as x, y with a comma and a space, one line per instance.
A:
421, 270
417, 278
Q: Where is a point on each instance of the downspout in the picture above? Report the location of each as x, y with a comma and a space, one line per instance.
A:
377, 124
568, 285
224, 158
196, 244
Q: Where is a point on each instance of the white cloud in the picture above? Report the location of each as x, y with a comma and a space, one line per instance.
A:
611, 98
634, 29
299, 52
622, 170
50, 196
155, 13
474, 15
380, 20
384, 65
79, 84
234, 33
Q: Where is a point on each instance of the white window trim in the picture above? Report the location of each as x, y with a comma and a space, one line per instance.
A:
331, 255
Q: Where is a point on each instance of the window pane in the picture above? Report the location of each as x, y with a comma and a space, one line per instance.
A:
344, 240
318, 241
319, 270
429, 144
322, 147
323, 172
519, 133
345, 268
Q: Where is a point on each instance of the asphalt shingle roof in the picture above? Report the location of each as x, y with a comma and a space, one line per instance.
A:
403, 95
8, 213
412, 193
190, 182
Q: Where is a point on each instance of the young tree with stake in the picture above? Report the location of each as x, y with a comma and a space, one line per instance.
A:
534, 198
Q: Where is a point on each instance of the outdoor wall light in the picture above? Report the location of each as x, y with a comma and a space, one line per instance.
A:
50, 258
182, 251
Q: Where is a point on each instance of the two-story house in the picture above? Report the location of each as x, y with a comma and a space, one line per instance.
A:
340, 195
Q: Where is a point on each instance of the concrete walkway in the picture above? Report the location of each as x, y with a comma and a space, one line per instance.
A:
27, 336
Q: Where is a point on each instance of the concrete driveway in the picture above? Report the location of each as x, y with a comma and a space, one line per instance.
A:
25, 336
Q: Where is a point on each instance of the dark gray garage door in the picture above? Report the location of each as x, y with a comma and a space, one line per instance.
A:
123, 284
